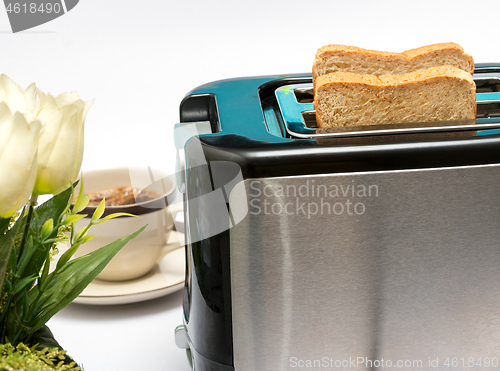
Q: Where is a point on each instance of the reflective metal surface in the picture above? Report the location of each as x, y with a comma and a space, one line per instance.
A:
407, 269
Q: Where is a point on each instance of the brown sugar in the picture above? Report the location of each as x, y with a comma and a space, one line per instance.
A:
120, 196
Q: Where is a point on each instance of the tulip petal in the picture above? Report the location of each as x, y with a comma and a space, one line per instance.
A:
85, 109
6, 126
60, 150
30, 96
13, 95
51, 130
18, 163
66, 99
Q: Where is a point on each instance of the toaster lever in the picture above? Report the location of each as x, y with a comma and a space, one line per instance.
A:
182, 133
181, 339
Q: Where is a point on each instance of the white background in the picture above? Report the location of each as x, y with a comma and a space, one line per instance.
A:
138, 59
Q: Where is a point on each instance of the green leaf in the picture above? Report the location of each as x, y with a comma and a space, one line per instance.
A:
86, 239
23, 283
68, 254
4, 224
81, 204
45, 339
53, 209
6, 245
82, 200
8, 285
73, 218
5, 251
112, 216
25, 259
82, 233
99, 210
26, 304
36, 307
47, 228
45, 272
66, 284
15, 329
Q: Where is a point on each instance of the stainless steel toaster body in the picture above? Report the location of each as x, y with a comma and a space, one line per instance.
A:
408, 274
303, 254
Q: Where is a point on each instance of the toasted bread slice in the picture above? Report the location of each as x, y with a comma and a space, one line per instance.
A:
434, 94
340, 58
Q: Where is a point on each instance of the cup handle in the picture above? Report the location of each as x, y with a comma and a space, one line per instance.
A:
167, 249
176, 209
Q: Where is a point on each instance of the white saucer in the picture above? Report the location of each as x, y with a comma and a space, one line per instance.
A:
166, 278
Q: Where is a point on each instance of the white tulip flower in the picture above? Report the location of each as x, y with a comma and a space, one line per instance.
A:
60, 150
18, 159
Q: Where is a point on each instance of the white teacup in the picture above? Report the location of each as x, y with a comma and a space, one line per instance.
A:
140, 255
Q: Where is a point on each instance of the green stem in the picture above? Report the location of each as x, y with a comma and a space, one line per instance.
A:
32, 203
2, 319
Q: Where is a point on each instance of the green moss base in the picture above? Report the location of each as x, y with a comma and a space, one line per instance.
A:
22, 358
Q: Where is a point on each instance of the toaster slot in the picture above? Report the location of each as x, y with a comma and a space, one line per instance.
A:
487, 109
304, 95
295, 103
487, 83
309, 118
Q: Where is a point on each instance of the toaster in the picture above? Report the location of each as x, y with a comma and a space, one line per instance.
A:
364, 248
